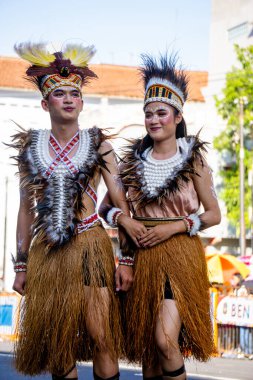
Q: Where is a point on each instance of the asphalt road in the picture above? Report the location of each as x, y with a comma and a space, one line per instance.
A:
216, 369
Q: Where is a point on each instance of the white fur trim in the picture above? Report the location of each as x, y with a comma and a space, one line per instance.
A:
196, 224
110, 214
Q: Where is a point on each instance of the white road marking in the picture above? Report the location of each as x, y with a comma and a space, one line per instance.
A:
204, 376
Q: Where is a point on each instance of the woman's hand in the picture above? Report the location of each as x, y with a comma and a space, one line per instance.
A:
160, 233
135, 229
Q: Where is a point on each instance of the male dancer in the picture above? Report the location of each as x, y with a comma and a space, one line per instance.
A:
64, 264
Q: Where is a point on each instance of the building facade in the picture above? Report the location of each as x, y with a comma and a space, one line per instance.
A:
231, 23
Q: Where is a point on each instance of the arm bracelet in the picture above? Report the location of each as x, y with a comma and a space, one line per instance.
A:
187, 225
20, 267
126, 260
112, 216
20, 263
192, 224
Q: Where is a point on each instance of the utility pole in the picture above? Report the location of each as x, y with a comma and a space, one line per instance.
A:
241, 170
250, 182
5, 232
251, 219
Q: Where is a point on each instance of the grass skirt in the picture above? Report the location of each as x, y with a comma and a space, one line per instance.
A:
181, 259
62, 319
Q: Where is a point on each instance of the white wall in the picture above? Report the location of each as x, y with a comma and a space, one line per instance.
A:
226, 14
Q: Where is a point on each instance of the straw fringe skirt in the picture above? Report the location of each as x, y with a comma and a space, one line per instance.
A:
69, 310
180, 259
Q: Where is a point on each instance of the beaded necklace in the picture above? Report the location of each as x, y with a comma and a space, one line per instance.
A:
152, 180
156, 172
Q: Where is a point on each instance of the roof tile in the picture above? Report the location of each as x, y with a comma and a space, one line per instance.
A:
114, 80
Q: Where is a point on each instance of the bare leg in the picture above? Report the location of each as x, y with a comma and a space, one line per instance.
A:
167, 333
152, 373
104, 365
71, 375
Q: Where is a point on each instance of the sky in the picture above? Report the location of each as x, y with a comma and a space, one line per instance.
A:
120, 29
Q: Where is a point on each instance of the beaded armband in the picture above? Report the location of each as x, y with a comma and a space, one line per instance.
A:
126, 260
192, 224
187, 225
112, 216
20, 263
20, 267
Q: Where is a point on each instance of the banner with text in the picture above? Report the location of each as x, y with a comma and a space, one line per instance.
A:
235, 311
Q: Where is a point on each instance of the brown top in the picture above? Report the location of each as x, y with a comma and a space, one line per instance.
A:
182, 203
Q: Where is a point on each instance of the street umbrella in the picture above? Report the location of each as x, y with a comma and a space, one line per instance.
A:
222, 267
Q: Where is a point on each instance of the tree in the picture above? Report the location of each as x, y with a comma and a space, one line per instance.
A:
239, 84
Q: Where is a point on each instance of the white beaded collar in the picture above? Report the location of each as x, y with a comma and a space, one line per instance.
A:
157, 172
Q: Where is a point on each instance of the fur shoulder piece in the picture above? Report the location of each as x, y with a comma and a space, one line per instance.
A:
22, 141
52, 226
192, 151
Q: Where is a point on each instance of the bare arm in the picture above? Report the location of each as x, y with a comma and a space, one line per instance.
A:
204, 187
116, 197
116, 193
24, 222
23, 237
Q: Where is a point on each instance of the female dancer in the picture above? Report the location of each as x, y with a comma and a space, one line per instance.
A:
166, 178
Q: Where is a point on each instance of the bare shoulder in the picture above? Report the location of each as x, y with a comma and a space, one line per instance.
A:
201, 164
105, 147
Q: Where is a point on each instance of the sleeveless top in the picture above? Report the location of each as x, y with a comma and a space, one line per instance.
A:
163, 188
63, 188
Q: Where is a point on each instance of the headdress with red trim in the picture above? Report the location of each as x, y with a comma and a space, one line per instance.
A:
164, 82
63, 68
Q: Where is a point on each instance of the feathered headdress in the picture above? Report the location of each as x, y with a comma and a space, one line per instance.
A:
51, 70
164, 82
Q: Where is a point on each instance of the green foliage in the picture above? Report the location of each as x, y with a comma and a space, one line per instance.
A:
239, 84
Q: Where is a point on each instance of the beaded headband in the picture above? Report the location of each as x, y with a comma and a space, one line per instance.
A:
159, 90
51, 82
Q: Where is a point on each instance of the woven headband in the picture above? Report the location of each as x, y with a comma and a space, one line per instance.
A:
160, 90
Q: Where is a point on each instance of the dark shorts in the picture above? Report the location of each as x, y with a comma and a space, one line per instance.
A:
168, 295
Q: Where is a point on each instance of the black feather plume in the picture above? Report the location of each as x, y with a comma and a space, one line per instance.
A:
165, 68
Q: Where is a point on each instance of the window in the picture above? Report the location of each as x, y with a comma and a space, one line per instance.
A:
239, 30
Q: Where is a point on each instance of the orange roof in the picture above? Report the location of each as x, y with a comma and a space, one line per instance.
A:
120, 81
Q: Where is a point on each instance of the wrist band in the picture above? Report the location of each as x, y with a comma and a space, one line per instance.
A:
116, 217
20, 267
112, 216
20, 263
126, 260
187, 225
192, 224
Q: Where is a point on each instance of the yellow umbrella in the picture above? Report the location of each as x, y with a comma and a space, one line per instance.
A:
221, 267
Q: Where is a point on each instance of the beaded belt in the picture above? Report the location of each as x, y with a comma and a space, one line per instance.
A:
151, 222
87, 223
